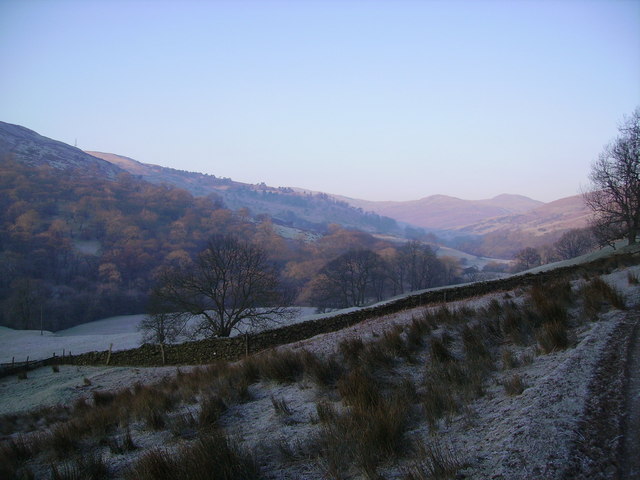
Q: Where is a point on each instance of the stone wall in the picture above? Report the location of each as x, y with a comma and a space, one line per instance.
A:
206, 351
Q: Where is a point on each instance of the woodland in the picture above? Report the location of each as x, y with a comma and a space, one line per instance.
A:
75, 248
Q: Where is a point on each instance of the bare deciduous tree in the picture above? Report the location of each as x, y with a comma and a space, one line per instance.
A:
231, 283
577, 241
349, 280
614, 196
527, 258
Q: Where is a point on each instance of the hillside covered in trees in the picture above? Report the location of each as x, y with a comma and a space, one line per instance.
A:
76, 248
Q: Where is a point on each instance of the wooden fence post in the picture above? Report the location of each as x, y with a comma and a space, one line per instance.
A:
109, 354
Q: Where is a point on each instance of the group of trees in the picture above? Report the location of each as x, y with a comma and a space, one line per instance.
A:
360, 276
74, 249
614, 196
233, 283
572, 243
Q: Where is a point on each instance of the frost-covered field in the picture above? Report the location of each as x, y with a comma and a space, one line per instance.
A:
122, 332
497, 435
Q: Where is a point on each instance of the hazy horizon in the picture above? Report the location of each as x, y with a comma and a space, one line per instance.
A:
387, 101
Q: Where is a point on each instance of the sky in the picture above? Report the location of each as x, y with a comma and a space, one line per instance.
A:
378, 100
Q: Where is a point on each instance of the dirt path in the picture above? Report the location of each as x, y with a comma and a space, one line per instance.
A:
605, 446
630, 459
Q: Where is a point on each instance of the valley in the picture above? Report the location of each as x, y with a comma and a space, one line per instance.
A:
510, 401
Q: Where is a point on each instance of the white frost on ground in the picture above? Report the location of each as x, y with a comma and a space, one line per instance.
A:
500, 436
43, 387
122, 332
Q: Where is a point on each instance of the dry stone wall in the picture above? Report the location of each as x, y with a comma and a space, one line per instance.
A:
207, 351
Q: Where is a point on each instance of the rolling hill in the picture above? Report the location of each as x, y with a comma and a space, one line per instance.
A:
559, 215
306, 210
442, 212
30, 148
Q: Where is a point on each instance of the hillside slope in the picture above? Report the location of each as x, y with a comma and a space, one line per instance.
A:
30, 148
387, 397
300, 209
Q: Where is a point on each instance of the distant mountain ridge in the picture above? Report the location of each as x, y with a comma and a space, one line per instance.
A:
311, 210
442, 212
563, 214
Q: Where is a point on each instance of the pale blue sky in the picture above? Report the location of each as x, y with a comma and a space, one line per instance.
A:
381, 100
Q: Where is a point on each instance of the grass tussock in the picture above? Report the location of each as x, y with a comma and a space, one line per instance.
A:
598, 294
86, 467
281, 366
550, 302
212, 408
325, 372
437, 461
13, 455
210, 457
476, 347
63, 440
514, 385
515, 324
122, 444
439, 350
509, 359
281, 407
553, 336
364, 436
